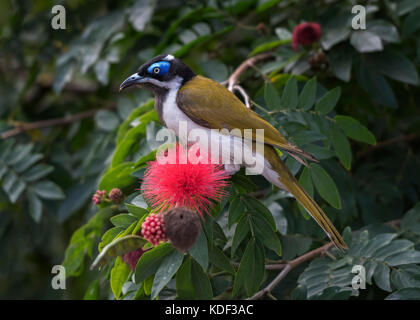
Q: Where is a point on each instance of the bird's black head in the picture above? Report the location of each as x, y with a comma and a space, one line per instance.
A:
163, 72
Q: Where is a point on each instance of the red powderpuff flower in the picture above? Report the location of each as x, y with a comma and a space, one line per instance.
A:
305, 34
179, 182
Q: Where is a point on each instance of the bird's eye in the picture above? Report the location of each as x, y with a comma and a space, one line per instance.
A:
159, 68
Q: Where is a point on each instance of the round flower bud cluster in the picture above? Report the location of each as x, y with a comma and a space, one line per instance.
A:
153, 229
116, 195
131, 258
305, 34
98, 196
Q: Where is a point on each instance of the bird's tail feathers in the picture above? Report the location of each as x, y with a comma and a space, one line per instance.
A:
287, 181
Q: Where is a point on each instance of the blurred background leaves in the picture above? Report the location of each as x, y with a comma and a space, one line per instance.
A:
360, 80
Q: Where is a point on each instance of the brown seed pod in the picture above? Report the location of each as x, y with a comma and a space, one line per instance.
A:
182, 227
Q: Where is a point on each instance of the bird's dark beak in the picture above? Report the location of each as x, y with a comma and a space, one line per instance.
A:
132, 80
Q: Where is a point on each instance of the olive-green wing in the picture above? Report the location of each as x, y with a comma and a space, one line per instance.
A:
211, 105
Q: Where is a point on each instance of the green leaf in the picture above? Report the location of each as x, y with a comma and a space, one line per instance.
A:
82, 241
320, 153
265, 234
365, 41
63, 75
119, 275
141, 13
308, 94
405, 6
342, 147
405, 257
137, 112
138, 201
355, 130
340, 60
411, 220
325, 185
394, 65
135, 210
48, 190
102, 71
411, 23
289, 98
268, 46
405, 294
74, 256
35, 206
271, 97
19, 153
151, 156
243, 183
242, 229
76, 197
150, 261
295, 245
202, 284
123, 220
220, 260
200, 40
107, 120
327, 102
92, 292
118, 177
132, 138
333, 293
252, 263
13, 186
108, 236
118, 247
382, 277
347, 236
166, 271
257, 206
406, 276
376, 86
385, 30
148, 284
379, 255
236, 210
184, 284
265, 5
37, 172
199, 251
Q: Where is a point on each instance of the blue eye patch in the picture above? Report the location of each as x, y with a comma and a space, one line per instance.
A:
159, 68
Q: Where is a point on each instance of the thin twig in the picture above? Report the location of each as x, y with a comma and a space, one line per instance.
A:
387, 143
288, 266
234, 77
271, 266
21, 127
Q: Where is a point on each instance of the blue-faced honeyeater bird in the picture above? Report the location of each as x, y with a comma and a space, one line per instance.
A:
183, 96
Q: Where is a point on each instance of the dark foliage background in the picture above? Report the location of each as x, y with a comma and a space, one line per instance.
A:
50, 170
